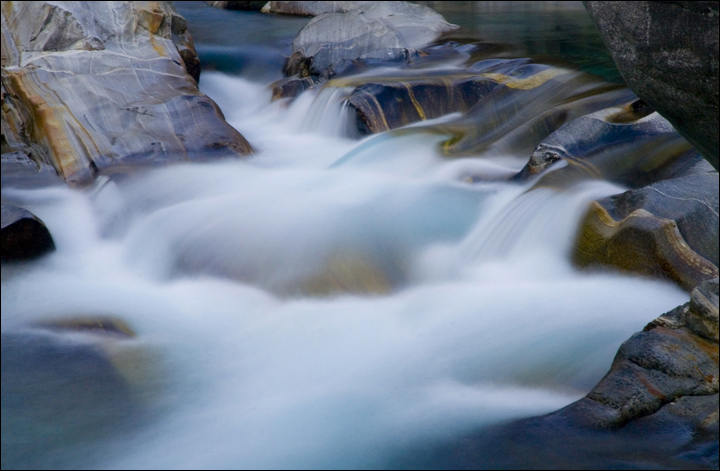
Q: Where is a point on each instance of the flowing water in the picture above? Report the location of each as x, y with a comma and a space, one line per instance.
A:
325, 303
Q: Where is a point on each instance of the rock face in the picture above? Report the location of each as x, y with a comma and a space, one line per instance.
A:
24, 236
668, 229
100, 87
667, 52
382, 30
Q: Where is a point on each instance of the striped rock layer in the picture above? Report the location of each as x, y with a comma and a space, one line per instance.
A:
100, 87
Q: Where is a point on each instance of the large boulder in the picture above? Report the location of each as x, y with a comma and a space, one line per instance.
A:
100, 87
667, 52
668, 229
24, 235
381, 30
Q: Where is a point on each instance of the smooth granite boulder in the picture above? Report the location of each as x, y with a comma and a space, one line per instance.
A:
668, 229
667, 52
101, 87
381, 30
24, 235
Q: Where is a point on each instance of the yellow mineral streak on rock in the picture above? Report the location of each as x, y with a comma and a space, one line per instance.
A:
641, 243
526, 83
51, 123
415, 103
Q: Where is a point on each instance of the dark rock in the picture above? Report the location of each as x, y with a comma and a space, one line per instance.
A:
508, 105
382, 30
667, 52
291, 87
123, 98
633, 153
668, 229
24, 236
236, 5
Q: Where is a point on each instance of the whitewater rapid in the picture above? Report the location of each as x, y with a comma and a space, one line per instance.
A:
483, 320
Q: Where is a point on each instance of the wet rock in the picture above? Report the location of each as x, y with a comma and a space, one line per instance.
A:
668, 229
24, 236
667, 52
701, 314
102, 87
312, 8
382, 30
507, 104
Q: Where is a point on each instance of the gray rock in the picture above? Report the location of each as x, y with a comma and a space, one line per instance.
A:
24, 235
312, 8
101, 87
667, 52
383, 30
702, 312
668, 229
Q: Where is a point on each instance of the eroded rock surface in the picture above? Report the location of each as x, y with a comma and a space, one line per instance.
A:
668, 229
100, 87
380, 30
667, 52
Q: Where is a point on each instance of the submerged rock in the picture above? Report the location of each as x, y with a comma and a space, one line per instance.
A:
667, 52
668, 229
102, 87
24, 235
380, 30
69, 383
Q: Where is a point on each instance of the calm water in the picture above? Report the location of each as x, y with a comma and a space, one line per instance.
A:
323, 304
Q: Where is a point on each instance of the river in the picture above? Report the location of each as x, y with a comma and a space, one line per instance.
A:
326, 303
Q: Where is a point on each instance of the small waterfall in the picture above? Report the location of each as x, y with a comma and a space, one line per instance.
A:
540, 219
329, 113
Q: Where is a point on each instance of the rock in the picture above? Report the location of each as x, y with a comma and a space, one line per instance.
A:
617, 144
668, 229
101, 87
24, 236
312, 8
702, 312
235, 5
20, 170
487, 93
382, 30
667, 52
657, 408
